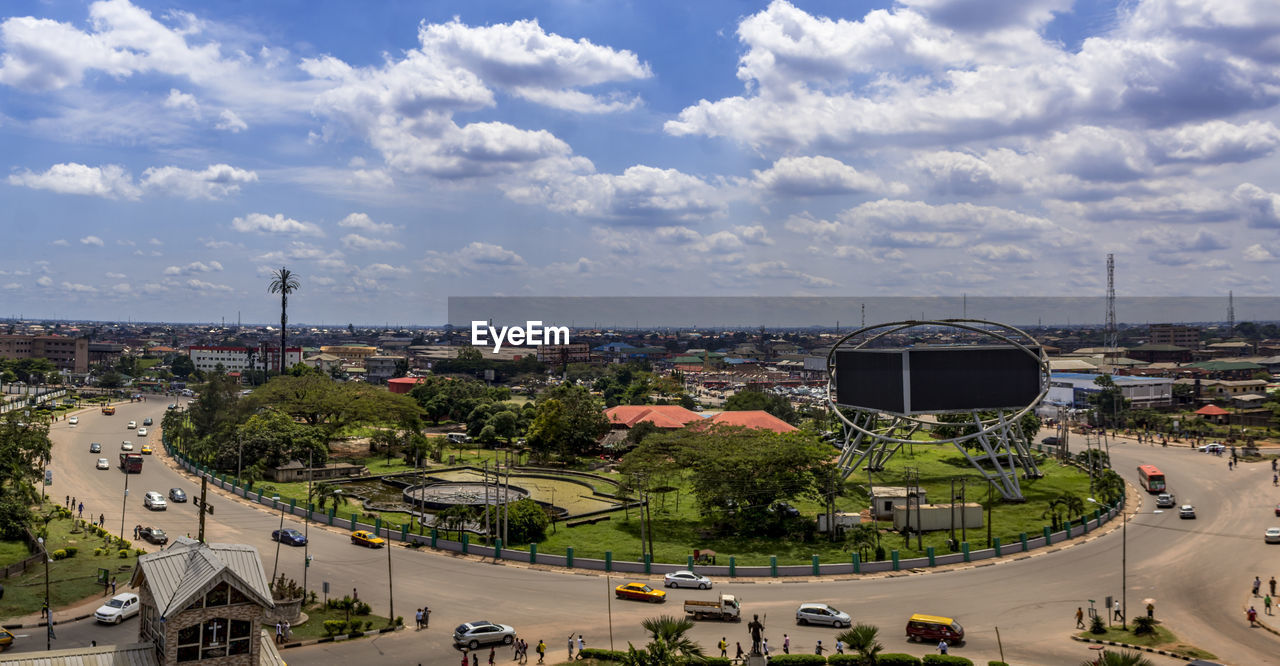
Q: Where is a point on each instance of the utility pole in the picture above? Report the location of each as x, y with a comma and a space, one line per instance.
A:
989, 498
953, 510
124, 503
306, 525
485, 467
919, 517
391, 588
906, 533
964, 483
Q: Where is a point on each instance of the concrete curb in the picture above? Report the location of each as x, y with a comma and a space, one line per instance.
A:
42, 624
1139, 648
340, 638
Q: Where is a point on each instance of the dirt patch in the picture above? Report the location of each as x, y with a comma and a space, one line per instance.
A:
349, 448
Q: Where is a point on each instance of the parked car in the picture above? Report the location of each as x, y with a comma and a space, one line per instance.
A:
639, 592
1050, 441
142, 432
483, 632
1272, 535
154, 501
289, 537
103, 463
95, 448
126, 445
821, 614
147, 421
118, 609
1165, 501
73, 420
1187, 511
686, 579
131, 425
177, 495
367, 538
154, 535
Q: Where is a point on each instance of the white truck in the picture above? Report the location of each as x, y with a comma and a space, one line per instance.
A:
726, 608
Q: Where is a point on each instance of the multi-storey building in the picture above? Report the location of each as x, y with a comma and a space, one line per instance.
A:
237, 359
65, 353
1177, 335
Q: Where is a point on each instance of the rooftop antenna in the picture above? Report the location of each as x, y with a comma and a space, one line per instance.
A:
864, 315
1231, 314
1111, 340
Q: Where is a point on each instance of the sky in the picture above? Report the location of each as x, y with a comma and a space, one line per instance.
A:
164, 157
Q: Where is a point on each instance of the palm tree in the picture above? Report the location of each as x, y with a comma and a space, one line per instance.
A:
283, 282
861, 638
669, 636
1126, 658
1074, 505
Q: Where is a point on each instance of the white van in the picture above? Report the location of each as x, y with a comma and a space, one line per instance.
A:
458, 438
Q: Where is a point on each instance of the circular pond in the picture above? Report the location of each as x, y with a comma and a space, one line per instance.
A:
438, 496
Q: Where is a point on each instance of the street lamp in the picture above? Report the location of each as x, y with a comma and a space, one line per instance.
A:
1124, 559
279, 537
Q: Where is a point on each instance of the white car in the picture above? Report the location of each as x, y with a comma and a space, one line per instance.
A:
1165, 501
126, 445
142, 432
118, 609
475, 634
1272, 535
73, 420
131, 425
154, 501
103, 463
821, 614
1212, 448
1187, 511
686, 579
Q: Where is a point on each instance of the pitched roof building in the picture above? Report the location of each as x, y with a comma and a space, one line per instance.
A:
662, 416
753, 418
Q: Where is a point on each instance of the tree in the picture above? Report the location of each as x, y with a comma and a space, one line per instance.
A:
1109, 401
864, 640
331, 406
182, 366
505, 424
527, 521
1109, 486
568, 422
270, 439
110, 379
25, 449
668, 644
283, 282
773, 403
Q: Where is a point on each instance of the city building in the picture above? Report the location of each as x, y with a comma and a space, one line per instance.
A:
558, 355
378, 368
237, 359
66, 353
1071, 389
105, 353
403, 385
350, 353
1174, 334
662, 416
753, 418
1153, 352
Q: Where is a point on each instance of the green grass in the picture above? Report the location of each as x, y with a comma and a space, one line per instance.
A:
12, 552
1162, 639
148, 363
70, 580
317, 614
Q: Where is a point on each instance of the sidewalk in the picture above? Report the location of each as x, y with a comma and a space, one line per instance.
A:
77, 611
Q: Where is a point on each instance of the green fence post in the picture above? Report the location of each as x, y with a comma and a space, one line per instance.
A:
353, 521
435, 536
964, 548
293, 504
568, 557
608, 560
332, 511
533, 553
1023, 537
1048, 536
377, 525
466, 543
895, 560
497, 548
648, 562
996, 543
857, 563
773, 566
311, 510
690, 563
932, 561
1097, 518
733, 567
1084, 525
404, 532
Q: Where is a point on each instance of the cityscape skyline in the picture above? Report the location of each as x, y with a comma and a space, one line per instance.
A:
164, 156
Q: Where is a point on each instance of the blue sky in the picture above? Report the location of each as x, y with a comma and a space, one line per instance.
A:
163, 157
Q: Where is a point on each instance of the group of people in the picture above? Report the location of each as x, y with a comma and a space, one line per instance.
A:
1267, 598
519, 654
423, 616
283, 632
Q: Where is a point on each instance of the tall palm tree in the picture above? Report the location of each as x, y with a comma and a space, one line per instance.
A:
862, 639
672, 633
283, 282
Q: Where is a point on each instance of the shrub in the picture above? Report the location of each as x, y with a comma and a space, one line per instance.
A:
59, 554
712, 661
361, 608
399, 620
139, 551
1143, 625
71, 551
99, 552
123, 554
602, 655
1096, 626
334, 627
896, 659
797, 660
945, 660
997, 663
844, 660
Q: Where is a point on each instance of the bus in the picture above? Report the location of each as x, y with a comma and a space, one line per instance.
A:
131, 463
109, 411
1152, 478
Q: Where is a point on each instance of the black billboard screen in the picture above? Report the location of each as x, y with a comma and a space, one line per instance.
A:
937, 379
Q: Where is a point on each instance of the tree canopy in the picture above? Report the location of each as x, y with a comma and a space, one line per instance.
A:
330, 405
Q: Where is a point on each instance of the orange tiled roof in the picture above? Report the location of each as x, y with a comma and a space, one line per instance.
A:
755, 418
663, 416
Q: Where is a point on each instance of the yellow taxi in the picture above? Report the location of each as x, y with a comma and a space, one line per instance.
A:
146, 449
639, 592
6, 638
367, 538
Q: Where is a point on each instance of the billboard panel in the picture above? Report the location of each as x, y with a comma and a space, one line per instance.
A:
870, 378
925, 380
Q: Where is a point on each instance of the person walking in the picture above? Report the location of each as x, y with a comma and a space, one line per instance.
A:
1266, 604
426, 617
355, 596
465, 661
1117, 616
1273, 586
570, 647
475, 659
102, 519
942, 646
839, 646
80, 513
817, 649
1079, 617
1151, 610
1252, 614
541, 650
738, 656
1257, 584
786, 644
279, 633
417, 617
288, 630
724, 647
764, 647
581, 644
113, 585
492, 653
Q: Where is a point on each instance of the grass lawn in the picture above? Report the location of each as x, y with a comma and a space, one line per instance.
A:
12, 552
317, 614
70, 580
1162, 639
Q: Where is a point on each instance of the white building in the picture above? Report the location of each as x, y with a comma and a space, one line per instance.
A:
236, 359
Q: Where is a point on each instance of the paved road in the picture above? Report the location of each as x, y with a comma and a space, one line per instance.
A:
1198, 572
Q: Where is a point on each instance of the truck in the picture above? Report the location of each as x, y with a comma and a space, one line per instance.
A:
131, 463
726, 608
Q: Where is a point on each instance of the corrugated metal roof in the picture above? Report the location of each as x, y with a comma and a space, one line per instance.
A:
136, 654
179, 573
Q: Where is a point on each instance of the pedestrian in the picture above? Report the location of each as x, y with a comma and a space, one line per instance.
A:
1151, 610
113, 585
68, 502
1252, 614
738, 656
1266, 604
102, 519
1117, 615
817, 649
541, 650
1230, 465
44, 610
288, 630
475, 659
465, 661
786, 644
839, 646
942, 646
426, 617
581, 644
417, 616
73, 503
279, 633
492, 652
1257, 584
724, 647
80, 513
570, 647
1275, 479
1079, 618
1273, 586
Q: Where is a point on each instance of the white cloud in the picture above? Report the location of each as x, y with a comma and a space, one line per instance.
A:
640, 194
1261, 208
116, 276
44, 281
363, 222
91, 240
1256, 253
820, 175
356, 242
1001, 253
753, 235
194, 267
274, 224
474, 255
201, 285
1217, 142
230, 121
179, 100
78, 288
780, 270
214, 182
110, 181
61, 242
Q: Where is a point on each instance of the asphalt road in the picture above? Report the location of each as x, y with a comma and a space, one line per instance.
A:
1197, 571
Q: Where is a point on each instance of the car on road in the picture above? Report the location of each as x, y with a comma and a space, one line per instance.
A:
821, 614
154, 501
289, 537
1050, 441
6, 638
146, 449
639, 592
147, 421
1272, 535
686, 579
131, 425
367, 538
126, 445
1165, 501
154, 535
483, 632
1212, 448
73, 420
172, 406
118, 609
95, 448
931, 628
1187, 511
103, 463
177, 495
142, 432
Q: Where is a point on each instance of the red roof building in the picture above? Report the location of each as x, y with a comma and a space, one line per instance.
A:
1212, 410
404, 384
662, 416
753, 418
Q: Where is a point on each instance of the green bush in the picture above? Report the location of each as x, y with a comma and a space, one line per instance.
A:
334, 627
99, 552
361, 608
713, 661
59, 554
71, 551
1096, 626
602, 655
844, 660
896, 659
139, 551
997, 663
945, 660
797, 660
399, 620
124, 554
355, 633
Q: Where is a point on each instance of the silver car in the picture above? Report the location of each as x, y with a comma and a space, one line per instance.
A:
483, 632
686, 579
821, 614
